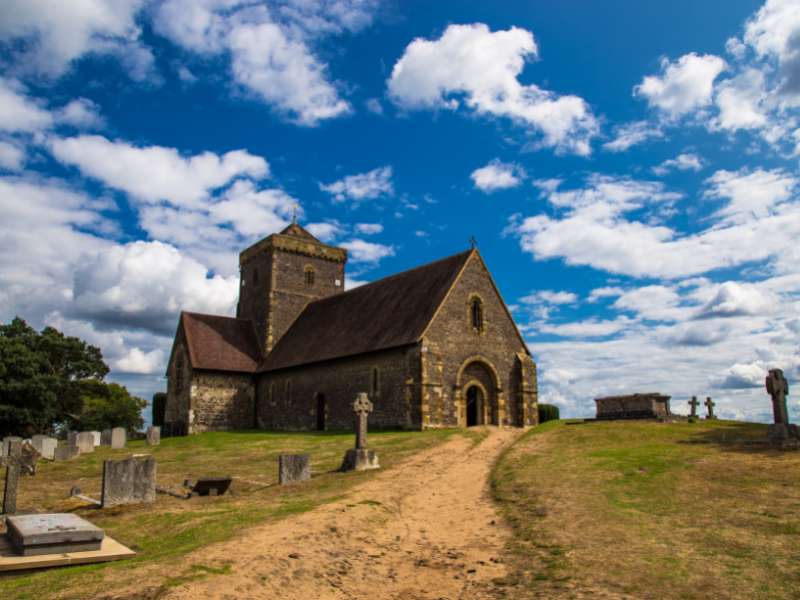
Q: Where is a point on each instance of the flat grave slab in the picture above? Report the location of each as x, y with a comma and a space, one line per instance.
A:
209, 486
50, 533
110, 549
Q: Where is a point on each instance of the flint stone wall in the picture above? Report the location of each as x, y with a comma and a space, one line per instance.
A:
221, 401
340, 381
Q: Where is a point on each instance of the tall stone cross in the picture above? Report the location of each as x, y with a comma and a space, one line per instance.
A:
362, 407
694, 404
710, 406
778, 388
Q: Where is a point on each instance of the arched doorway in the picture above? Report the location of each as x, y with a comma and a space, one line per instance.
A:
320, 412
474, 405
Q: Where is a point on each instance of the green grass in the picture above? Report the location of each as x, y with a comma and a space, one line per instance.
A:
164, 533
684, 510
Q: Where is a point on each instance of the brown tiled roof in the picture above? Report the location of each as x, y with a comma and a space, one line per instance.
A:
221, 343
295, 230
387, 313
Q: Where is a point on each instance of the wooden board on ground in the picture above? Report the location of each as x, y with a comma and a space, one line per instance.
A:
109, 550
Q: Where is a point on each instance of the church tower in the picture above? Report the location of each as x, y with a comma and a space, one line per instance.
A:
280, 275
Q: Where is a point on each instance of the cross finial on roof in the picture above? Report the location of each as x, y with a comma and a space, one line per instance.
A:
294, 214
473, 242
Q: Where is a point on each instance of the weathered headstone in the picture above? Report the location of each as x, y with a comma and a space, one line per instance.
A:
12, 463
694, 404
105, 437
85, 442
118, 437
129, 481
11, 485
153, 435
294, 467
28, 457
72, 438
710, 406
360, 458
65, 452
45, 445
96, 437
7, 441
34, 535
778, 388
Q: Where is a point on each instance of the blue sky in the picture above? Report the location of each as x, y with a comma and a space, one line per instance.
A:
629, 169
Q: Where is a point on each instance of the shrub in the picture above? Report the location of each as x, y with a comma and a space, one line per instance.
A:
548, 412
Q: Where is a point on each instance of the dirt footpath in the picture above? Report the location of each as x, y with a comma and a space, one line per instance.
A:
425, 529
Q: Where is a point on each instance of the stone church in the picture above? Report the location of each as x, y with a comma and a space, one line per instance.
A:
434, 346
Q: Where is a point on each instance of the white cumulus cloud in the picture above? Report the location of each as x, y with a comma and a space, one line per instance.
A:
497, 175
361, 186
683, 86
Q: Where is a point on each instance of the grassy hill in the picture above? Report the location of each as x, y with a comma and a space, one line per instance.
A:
163, 533
651, 510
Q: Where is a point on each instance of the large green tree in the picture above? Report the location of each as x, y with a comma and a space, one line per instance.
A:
44, 378
107, 405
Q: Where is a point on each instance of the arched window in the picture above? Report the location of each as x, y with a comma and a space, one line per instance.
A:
288, 390
476, 312
271, 394
309, 273
376, 382
255, 276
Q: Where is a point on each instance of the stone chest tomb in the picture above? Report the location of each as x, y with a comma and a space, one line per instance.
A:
633, 406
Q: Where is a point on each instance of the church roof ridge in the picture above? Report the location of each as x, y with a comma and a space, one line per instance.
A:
388, 313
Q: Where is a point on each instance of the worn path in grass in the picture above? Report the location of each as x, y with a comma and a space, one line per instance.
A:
425, 529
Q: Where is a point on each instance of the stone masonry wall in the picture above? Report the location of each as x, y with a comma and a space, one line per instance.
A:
177, 408
450, 341
221, 401
295, 409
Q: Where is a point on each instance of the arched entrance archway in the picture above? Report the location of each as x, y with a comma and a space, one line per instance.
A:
321, 409
478, 373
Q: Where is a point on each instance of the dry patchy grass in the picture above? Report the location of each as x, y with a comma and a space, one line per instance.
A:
166, 532
651, 510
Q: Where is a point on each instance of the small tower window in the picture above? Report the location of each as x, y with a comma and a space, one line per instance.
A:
255, 276
376, 382
309, 274
476, 313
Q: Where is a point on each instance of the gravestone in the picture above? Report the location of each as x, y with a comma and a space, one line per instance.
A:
710, 406
65, 452
361, 458
72, 438
13, 466
45, 445
7, 441
294, 467
694, 404
96, 437
153, 435
105, 437
85, 442
778, 388
34, 535
28, 458
129, 481
118, 437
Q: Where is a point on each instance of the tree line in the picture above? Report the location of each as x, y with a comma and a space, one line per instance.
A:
51, 383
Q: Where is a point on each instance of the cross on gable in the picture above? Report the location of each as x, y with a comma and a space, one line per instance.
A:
362, 405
